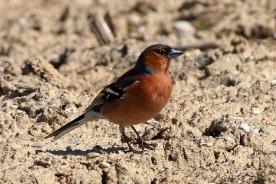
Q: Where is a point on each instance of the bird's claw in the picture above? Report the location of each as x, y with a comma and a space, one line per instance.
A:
133, 151
142, 144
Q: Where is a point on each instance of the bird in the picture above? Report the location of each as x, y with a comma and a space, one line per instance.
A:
134, 98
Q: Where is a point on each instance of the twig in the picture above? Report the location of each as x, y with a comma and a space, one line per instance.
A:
198, 45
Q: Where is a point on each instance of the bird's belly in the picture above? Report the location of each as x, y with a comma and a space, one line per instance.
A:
136, 109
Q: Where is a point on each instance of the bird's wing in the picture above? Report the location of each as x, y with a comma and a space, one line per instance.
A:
114, 90
110, 93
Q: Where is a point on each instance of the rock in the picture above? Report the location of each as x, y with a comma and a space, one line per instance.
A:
209, 144
185, 28
6, 87
37, 145
18, 111
42, 163
255, 132
31, 95
92, 155
104, 165
245, 127
256, 110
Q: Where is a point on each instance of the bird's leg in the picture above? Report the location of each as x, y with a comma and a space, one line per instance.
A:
131, 149
141, 142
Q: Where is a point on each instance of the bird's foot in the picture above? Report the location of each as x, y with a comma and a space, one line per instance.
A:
143, 144
131, 149
140, 141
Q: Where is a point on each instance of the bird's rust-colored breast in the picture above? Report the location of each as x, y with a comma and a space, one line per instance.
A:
149, 95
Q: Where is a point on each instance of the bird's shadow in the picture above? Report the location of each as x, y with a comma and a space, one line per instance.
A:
97, 149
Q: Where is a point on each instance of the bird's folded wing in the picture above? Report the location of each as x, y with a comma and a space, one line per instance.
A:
113, 91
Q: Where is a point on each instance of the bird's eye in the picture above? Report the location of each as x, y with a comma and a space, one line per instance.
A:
159, 51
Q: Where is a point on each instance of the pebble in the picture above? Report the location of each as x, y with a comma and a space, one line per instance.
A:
255, 131
184, 27
31, 95
256, 110
141, 29
246, 178
54, 161
18, 111
42, 163
247, 55
69, 110
244, 126
38, 117
51, 94
6, 148
168, 146
37, 145
22, 21
273, 82
209, 144
104, 165
14, 106
229, 139
92, 155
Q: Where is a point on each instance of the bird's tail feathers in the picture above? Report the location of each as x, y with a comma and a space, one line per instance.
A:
84, 118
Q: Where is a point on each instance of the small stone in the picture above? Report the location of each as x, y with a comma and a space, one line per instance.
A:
255, 131
209, 144
168, 146
14, 106
245, 127
31, 95
69, 110
92, 155
247, 55
141, 29
18, 111
54, 161
22, 21
273, 82
37, 145
185, 28
246, 178
51, 94
256, 110
42, 163
104, 165
7, 87
38, 117
6, 148
229, 139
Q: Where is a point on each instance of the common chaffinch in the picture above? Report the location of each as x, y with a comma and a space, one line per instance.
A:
135, 97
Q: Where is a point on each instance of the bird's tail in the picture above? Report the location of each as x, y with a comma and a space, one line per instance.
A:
84, 118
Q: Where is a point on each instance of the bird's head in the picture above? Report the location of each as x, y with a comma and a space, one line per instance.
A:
155, 58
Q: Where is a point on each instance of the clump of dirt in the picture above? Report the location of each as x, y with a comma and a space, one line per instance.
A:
218, 127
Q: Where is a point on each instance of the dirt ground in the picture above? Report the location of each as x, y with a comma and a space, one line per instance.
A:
218, 127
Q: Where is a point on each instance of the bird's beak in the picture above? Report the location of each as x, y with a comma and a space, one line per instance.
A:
174, 53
